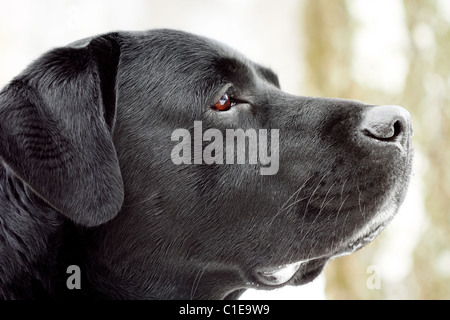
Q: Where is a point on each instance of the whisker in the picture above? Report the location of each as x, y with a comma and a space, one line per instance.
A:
339, 210
361, 210
197, 281
313, 193
295, 194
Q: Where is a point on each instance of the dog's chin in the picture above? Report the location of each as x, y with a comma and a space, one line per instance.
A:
305, 271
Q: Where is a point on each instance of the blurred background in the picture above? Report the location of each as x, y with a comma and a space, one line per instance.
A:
380, 52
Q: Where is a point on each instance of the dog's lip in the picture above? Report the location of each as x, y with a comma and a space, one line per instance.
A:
308, 271
361, 240
366, 238
273, 276
296, 273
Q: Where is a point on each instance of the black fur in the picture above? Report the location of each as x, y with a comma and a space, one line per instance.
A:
87, 177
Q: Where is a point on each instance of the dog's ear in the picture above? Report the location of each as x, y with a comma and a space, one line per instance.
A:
56, 124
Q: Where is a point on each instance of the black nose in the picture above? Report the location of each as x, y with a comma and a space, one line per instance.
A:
386, 124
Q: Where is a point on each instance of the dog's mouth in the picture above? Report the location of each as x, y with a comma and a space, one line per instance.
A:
278, 275
305, 271
296, 273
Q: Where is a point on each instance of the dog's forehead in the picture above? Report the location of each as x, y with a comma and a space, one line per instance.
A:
188, 52
179, 43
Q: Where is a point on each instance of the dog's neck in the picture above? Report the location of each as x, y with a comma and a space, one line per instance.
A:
37, 244
192, 284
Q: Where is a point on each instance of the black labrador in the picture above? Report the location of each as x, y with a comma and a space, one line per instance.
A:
119, 161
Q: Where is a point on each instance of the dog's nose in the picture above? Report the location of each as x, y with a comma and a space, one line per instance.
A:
386, 124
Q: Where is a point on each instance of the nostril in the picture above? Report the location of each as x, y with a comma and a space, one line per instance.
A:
385, 123
387, 133
398, 128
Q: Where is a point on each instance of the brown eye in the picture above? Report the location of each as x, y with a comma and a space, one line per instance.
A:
224, 103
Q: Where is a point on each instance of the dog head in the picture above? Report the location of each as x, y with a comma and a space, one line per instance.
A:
145, 128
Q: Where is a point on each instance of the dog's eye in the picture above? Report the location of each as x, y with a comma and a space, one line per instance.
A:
225, 102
